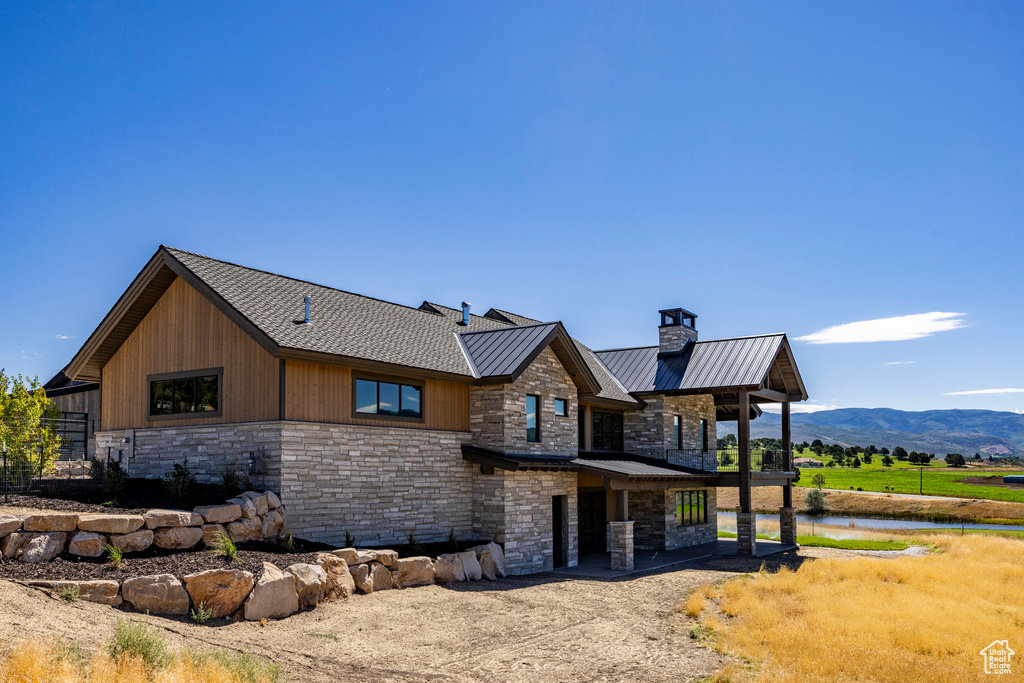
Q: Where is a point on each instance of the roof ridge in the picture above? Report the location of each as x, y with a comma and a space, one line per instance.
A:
456, 310
628, 348
518, 315
747, 336
510, 327
296, 279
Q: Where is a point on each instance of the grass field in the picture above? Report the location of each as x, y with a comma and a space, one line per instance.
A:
936, 481
868, 619
841, 543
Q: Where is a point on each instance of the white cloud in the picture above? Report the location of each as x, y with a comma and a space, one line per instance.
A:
900, 362
974, 392
64, 336
899, 328
797, 407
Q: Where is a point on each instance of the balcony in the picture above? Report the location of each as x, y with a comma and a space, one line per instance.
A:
727, 459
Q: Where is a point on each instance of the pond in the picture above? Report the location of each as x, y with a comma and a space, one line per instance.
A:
729, 520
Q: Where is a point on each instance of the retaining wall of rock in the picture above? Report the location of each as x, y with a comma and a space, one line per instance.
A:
40, 537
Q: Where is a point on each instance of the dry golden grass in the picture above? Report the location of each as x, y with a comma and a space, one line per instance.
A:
32, 662
867, 619
695, 604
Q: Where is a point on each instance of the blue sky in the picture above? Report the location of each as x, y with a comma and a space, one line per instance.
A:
771, 166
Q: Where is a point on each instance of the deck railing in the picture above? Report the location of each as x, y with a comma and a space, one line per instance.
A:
726, 459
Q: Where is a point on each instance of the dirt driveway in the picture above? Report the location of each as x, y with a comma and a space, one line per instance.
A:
517, 629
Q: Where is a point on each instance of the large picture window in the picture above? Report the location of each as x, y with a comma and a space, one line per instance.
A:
691, 507
607, 431
391, 399
185, 393
533, 419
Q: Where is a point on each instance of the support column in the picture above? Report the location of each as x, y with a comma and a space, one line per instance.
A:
787, 525
622, 546
746, 523
746, 533
787, 462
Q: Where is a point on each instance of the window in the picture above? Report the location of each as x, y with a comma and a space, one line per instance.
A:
607, 434
185, 393
533, 418
581, 427
561, 407
677, 431
390, 399
691, 507
703, 435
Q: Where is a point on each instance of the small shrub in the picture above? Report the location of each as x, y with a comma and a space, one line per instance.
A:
136, 639
287, 543
453, 542
223, 545
68, 593
230, 483
695, 605
241, 666
201, 614
815, 502
350, 541
415, 547
179, 481
114, 555
112, 478
325, 636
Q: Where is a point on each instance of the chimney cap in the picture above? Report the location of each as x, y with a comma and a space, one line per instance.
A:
671, 317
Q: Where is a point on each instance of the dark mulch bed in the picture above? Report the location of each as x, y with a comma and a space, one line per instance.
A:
137, 495
251, 557
61, 505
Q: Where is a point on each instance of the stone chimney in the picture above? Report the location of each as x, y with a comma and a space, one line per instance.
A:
678, 326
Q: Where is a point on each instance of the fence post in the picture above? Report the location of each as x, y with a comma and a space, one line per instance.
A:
7, 485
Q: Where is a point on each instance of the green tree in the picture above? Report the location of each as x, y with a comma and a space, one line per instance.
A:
27, 428
855, 462
886, 460
884, 451
867, 457
900, 453
955, 460
818, 480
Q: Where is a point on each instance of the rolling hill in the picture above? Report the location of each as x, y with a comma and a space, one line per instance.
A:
935, 431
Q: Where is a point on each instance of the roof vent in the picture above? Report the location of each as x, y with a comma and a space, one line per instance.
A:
308, 301
465, 314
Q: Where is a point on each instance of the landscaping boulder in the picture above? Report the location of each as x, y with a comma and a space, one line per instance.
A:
171, 518
248, 509
43, 547
448, 569
340, 583
8, 525
87, 544
274, 596
272, 524
412, 571
135, 542
212, 531
492, 560
222, 591
273, 501
386, 557
471, 565
12, 544
245, 530
100, 591
177, 538
219, 514
51, 521
380, 576
354, 557
159, 594
361, 575
310, 583
111, 524
259, 500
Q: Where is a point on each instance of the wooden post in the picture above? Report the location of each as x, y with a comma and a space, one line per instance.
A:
787, 462
743, 427
622, 506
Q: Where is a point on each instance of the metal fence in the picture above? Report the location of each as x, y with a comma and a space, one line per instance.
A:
727, 459
44, 457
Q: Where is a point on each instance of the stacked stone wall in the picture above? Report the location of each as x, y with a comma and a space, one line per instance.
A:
528, 519
655, 525
651, 432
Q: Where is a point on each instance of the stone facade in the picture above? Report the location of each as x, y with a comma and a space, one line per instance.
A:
516, 510
620, 538
787, 525
651, 431
746, 533
498, 412
250, 449
674, 337
655, 525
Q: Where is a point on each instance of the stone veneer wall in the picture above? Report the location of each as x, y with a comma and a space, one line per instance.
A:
498, 412
674, 337
650, 432
527, 536
654, 521
379, 484
209, 449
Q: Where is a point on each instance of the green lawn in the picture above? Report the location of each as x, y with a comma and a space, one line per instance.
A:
936, 481
823, 542
876, 461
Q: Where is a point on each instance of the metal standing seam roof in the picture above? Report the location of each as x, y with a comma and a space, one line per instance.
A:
497, 353
635, 470
714, 364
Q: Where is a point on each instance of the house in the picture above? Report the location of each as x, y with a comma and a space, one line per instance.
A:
382, 421
807, 462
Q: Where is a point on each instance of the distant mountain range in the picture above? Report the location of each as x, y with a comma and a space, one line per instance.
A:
989, 432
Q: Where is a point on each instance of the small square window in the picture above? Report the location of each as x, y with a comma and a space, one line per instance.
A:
561, 407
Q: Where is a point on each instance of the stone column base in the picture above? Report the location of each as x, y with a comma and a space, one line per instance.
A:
621, 537
787, 525
746, 533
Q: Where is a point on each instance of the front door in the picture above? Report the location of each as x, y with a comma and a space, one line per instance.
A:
593, 521
558, 530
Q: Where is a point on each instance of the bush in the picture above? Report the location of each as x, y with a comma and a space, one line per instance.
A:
136, 639
114, 555
68, 593
242, 666
223, 545
230, 483
179, 481
814, 501
201, 614
111, 477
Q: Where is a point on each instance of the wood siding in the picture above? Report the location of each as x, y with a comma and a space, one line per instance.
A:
323, 393
183, 332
